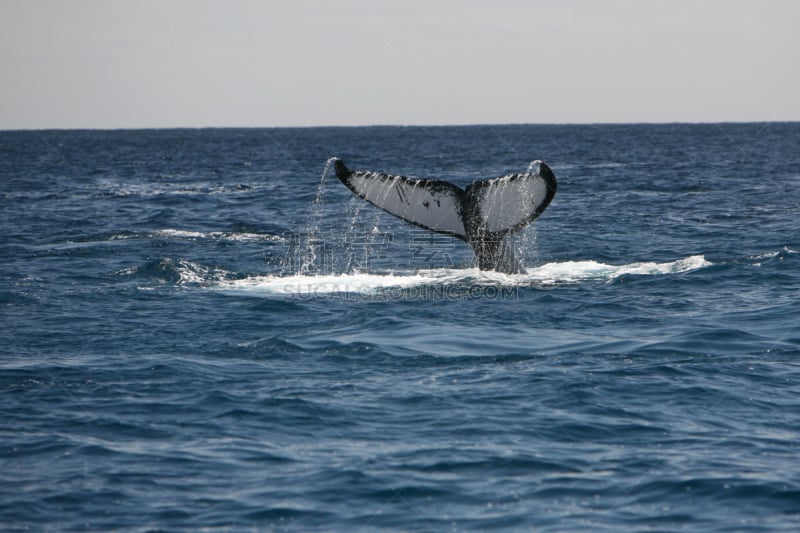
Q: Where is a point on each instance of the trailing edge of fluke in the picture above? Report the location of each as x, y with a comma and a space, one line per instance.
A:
483, 215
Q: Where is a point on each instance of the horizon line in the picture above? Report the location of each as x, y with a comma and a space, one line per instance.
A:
390, 125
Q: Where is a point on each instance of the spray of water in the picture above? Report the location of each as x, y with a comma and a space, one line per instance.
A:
311, 247
533, 166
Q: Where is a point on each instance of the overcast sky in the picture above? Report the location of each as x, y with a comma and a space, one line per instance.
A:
172, 63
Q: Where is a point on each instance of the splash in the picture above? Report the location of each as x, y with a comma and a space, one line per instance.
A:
311, 247
533, 167
325, 247
469, 282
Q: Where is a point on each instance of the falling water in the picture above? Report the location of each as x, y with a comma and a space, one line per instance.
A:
322, 249
525, 240
533, 166
310, 250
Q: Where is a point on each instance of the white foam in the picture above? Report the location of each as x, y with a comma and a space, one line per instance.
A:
355, 283
370, 284
573, 271
181, 234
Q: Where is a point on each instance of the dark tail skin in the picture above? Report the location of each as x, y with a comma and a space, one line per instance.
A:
483, 215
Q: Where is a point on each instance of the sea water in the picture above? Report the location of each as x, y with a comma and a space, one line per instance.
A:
205, 329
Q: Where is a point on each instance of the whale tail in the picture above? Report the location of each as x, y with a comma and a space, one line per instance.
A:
483, 215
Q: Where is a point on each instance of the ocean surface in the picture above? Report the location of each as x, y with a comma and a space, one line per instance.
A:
205, 329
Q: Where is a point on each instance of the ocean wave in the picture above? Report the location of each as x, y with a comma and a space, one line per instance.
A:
780, 255
146, 190
178, 234
217, 235
179, 272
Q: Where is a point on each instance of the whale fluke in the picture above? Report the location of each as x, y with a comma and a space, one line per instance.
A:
483, 215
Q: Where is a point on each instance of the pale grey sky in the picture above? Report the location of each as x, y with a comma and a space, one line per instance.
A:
176, 63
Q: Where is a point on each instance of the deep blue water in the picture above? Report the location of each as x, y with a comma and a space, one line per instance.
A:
201, 328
